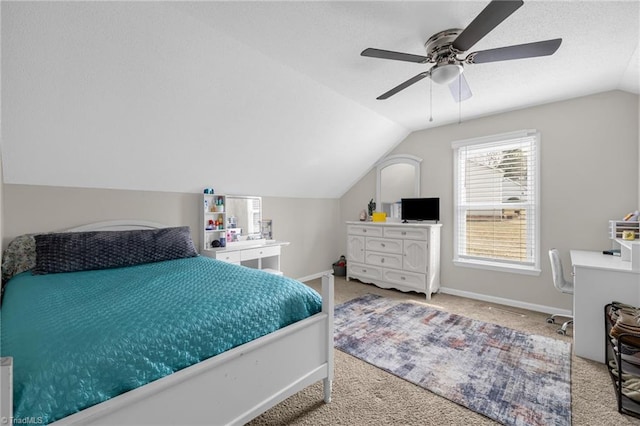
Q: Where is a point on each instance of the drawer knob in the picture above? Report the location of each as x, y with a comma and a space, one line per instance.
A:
364, 271
364, 230
402, 278
383, 245
404, 233
382, 260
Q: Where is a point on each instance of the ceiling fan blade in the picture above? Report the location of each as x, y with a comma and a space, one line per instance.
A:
460, 89
520, 51
403, 86
492, 15
397, 56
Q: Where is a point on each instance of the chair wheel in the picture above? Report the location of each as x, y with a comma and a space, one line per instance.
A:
561, 331
551, 321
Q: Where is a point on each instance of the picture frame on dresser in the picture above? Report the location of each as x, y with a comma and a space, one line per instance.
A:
403, 256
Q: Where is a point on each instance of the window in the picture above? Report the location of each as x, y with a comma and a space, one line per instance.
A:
496, 202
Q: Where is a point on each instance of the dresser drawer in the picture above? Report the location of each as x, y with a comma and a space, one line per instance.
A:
384, 245
406, 233
357, 270
228, 256
388, 260
259, 252
369, 231
406, 279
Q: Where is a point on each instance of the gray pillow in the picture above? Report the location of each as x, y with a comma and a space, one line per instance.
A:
81, 251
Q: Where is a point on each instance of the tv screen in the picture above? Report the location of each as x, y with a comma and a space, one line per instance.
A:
420, 209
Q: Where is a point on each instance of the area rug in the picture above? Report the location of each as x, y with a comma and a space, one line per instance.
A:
509, 376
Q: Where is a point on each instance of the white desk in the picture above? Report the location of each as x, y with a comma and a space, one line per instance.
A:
262, 254
598, 279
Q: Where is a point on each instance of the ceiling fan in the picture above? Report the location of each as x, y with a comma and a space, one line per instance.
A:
445, 50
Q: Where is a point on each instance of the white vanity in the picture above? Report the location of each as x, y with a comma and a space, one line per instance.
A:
232, 232
404, 256
258, 254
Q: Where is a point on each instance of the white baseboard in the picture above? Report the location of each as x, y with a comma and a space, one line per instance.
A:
477, 296
315, 276
508, 302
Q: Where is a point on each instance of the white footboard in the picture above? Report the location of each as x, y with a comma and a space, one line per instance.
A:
231, 388
6, 390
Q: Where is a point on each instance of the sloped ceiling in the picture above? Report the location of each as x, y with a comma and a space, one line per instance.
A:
267, 98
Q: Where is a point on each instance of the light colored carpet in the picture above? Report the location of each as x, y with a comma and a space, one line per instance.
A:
366, 395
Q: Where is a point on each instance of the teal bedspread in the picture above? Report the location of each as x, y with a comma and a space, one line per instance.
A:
81, 338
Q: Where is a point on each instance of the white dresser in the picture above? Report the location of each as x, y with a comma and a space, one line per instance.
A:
404, 256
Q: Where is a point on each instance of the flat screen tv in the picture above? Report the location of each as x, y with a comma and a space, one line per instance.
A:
420, 209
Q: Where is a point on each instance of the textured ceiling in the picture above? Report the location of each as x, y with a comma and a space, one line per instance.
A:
268, 98
323, 40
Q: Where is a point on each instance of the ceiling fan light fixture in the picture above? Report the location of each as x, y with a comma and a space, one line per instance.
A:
445, 73
443, 50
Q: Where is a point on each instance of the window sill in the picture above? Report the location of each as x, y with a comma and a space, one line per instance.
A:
496, 266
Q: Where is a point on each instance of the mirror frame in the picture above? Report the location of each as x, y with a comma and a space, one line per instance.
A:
390, 160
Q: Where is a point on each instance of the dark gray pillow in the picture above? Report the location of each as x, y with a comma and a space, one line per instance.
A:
81, 251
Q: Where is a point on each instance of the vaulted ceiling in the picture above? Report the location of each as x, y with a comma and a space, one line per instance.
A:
267, 98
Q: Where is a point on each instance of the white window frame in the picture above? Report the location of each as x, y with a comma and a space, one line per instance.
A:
528, 268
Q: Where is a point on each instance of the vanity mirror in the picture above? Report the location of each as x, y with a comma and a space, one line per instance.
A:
244, 215
397, 177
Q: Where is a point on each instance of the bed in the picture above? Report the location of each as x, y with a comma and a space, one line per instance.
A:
157, 341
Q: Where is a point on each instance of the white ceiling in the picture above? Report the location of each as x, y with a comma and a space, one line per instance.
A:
267, 98
323, 40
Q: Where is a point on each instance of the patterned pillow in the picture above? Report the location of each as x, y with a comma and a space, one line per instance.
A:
81, 251
19, 256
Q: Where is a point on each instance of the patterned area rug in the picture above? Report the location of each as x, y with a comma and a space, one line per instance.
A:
508, 376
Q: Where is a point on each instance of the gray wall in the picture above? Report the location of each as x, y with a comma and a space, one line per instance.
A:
589, 174
308, 224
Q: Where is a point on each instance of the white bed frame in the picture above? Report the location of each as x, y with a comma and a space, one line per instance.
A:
229, 389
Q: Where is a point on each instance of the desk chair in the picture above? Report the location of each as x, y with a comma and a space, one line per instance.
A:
562, 285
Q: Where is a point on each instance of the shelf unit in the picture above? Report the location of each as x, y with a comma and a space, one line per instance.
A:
619, 364
617, 226
213, 221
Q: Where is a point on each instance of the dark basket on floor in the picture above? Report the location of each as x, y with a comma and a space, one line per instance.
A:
339, 271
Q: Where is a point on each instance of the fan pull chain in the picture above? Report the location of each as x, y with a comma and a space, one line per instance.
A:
459, 98
430, 99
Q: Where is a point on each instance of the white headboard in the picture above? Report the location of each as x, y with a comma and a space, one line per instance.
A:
118, 225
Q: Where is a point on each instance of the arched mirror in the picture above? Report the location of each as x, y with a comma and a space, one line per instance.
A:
397, 177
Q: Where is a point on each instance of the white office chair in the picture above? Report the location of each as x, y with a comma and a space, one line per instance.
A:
562, 285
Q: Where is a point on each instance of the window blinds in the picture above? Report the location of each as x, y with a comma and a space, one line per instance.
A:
496, 196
